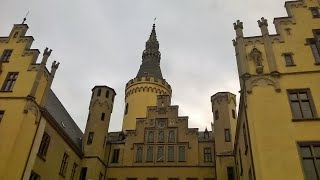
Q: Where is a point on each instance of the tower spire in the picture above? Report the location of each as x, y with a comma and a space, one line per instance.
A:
151, 57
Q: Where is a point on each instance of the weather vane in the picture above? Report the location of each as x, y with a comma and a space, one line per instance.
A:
154, 20
25, 18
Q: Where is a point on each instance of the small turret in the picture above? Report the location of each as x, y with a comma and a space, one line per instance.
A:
263, 24
238, 26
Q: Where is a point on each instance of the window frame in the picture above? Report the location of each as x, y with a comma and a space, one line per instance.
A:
103, 115
310, 100
64, 165
139, 154
313, 156
184, 153
290, 56
115, 156
207, 154
150, 154
74, 169
171, 157
12, 82
44, 146
6, 55
34, 176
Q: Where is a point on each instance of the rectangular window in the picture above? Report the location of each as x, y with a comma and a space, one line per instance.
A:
245, 139
74, 168
171, 136
64, 164
230, 173
310, 155
315, 51
160, 154
233, 114
102, 116
115, 156
90, 138
160, 136
83, 173
1, 115
44, 145
288, 59
227, 135
207, 155
216, 115
6, 55
170, 153
107, 93
150, 136
139, 154
182, 153
10, 81
149, 154
34, 176
302, 106
100, 176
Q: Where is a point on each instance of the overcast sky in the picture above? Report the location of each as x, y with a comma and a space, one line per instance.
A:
100, 42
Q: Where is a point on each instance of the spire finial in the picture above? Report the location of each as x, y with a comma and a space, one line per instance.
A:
25, 18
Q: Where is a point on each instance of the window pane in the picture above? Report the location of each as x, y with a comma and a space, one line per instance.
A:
309, 169
316, 150
160, 136
150, 136
305, 151
293, 96
182, 153
296, 110
303, 95
150, 153
288, 59
318, 164
139, 154
306, 109
171, 136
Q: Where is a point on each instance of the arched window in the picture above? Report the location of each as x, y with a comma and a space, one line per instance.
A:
150, 154
160, 136
171, 136
160, 154
99, 92
150, 136
139, 154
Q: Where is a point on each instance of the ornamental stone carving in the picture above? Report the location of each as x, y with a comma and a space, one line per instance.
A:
263, 81
256, 56
32, 107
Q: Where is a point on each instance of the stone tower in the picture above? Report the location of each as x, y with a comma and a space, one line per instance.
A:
224, 127
142, 91
95, 136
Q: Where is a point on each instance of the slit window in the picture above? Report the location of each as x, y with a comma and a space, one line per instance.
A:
227, 135
90, 138
103, 116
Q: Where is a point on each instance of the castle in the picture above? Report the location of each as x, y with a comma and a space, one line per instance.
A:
274, 135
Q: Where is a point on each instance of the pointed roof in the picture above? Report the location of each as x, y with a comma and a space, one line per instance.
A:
151, 57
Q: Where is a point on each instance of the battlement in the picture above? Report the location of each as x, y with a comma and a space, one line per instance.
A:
140, 85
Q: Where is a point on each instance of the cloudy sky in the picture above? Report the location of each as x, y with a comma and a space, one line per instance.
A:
100, 42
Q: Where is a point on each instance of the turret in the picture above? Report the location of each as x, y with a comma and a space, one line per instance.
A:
96, 131
225, 120
142, 91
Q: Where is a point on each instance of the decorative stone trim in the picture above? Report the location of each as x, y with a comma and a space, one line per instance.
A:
262, 81
31, 106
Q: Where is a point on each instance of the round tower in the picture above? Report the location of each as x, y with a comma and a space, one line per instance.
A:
142, 91
96, 131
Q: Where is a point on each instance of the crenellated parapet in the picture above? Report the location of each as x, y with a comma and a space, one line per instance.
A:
148, 84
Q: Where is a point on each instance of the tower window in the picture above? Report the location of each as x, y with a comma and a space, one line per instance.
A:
207, 155
126, 109
102, 116
1, 115
227, 135
182, 153
10, 81
216, 115
149, 154
301, 104
160, 154
115, 156
44, 145
6, 55
233, 114
64, 164
99, 92
315, 12
170, 153
139, 154
288, 59
90, 138
107, 93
